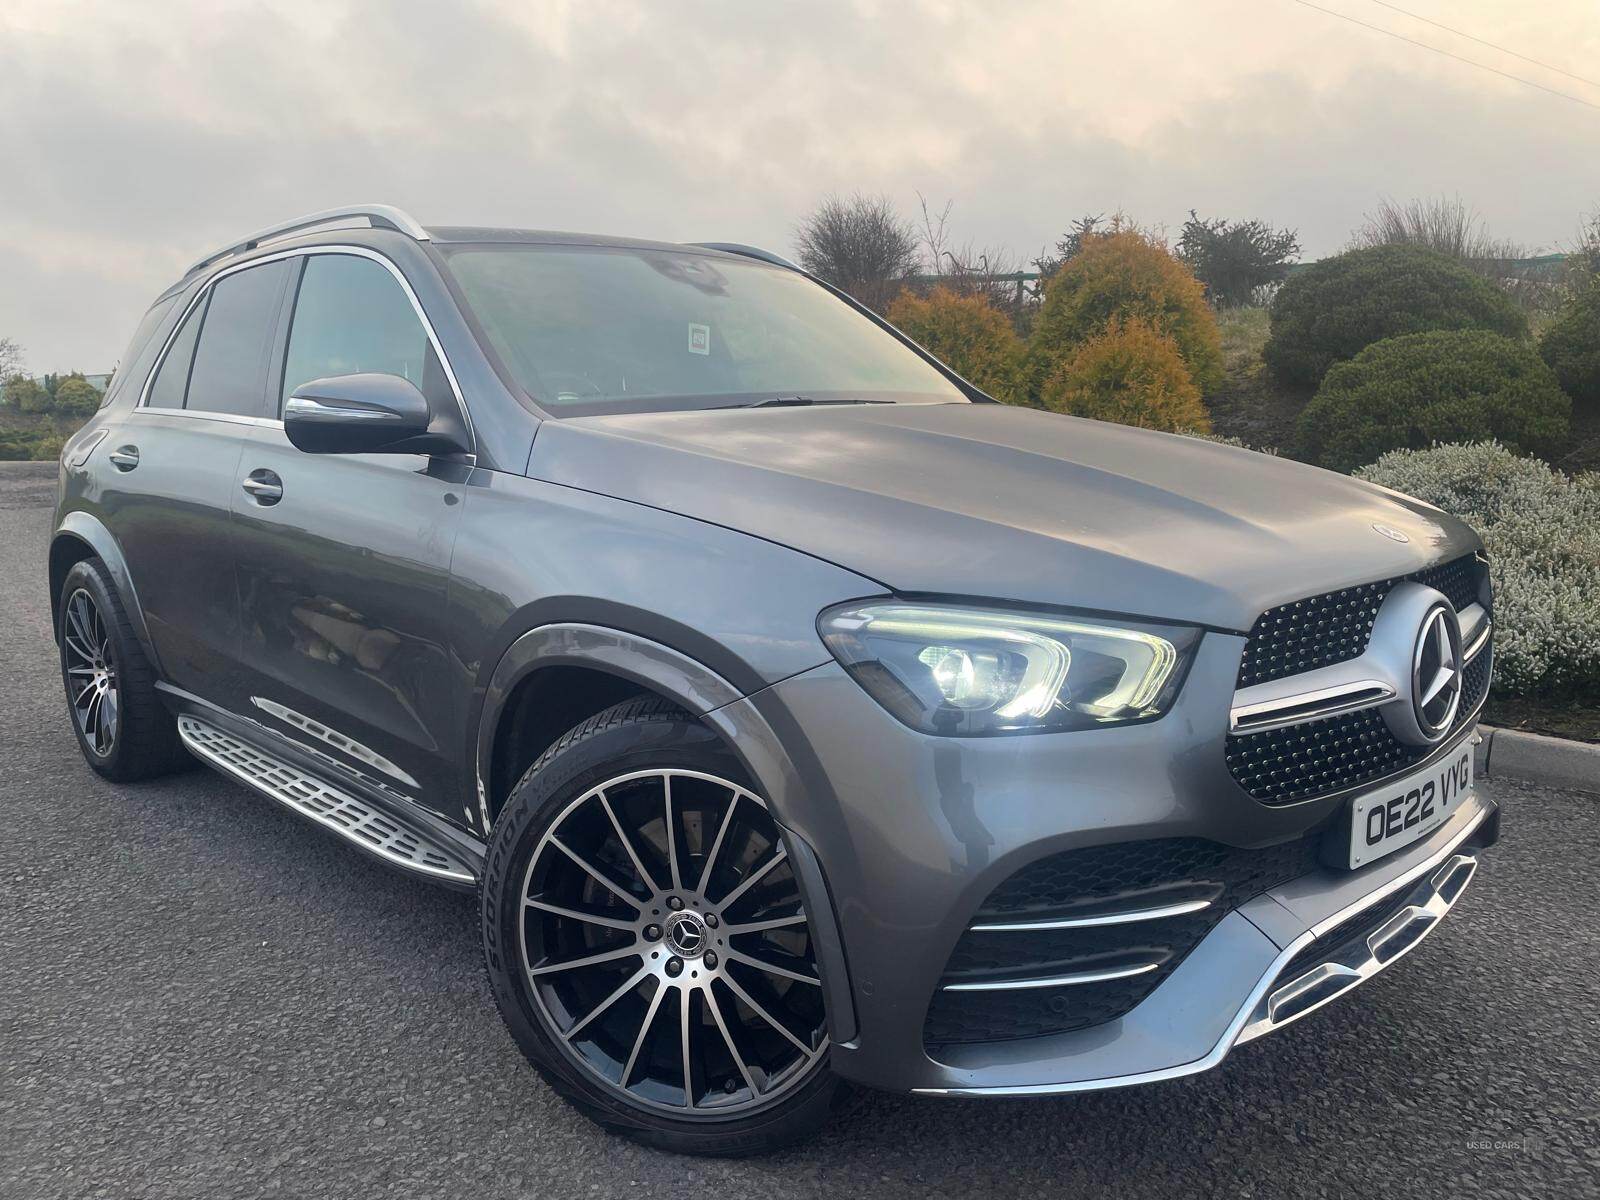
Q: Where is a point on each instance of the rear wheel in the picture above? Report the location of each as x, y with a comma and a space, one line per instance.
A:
646, 940
123, 729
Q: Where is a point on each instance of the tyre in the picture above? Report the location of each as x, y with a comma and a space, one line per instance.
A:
124, 730
646, 943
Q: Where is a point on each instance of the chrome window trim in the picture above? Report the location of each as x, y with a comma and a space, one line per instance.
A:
155, 410
299, 252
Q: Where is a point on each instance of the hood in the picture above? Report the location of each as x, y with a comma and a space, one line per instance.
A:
991, 501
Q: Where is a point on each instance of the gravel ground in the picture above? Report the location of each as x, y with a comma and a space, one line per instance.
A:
201, 995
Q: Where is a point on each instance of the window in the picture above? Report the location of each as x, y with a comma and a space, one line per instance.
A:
229, 374
141, 349
173, 378
352, 317
586, 329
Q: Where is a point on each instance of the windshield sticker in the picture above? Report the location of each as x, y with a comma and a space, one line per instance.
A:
699, 339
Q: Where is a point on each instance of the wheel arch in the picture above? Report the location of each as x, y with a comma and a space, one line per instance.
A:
595, 663
562, 673
79, 536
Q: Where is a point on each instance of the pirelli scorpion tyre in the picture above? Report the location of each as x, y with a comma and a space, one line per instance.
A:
646, 943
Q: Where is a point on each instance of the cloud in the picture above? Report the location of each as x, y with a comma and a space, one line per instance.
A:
137, 137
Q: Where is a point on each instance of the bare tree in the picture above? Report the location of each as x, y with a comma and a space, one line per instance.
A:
968, 270
861, 245
10, 359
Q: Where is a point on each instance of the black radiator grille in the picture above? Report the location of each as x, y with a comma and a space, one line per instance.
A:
1316, 758
1335, 626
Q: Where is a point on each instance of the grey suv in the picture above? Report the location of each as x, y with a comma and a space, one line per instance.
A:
800, 715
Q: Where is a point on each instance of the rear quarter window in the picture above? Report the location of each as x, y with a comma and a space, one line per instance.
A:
134, 362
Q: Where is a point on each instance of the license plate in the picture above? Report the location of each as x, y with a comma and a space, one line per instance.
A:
1411, 807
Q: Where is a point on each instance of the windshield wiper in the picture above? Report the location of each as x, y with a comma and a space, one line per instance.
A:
804, 401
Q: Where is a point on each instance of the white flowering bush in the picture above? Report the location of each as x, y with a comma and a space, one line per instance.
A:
1542, 531
1224, 440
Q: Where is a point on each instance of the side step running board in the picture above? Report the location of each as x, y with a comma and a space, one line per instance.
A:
374, 830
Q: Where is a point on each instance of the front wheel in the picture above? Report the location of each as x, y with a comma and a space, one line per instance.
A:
646, 941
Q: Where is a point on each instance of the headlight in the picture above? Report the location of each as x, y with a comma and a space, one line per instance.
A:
971, 672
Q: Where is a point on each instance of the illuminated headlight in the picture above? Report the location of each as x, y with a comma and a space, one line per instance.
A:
971, 672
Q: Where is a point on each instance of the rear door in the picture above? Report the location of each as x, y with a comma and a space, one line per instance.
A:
170, 472
343, 560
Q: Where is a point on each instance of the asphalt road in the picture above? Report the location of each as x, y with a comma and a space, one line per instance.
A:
201, 995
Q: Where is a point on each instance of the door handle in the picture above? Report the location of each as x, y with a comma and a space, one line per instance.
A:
124, 458
263, 486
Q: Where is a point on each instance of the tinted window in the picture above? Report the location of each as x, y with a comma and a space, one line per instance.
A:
229, 373
173, 378
352, 317
141, 348
588, 329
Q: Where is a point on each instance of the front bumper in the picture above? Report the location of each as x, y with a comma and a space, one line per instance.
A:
1248, 983
904, 836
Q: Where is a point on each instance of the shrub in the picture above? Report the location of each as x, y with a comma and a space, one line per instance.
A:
1571, 345
1236, 261
967, 332
25, 394
22, 445
1124, 276
1223, 439
1542, 531
1336, 308
76, 396
1410, 392
1131, 374
861, 245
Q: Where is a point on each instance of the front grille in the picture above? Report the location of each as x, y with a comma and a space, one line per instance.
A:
1116, 878
1335, 627
1317, 758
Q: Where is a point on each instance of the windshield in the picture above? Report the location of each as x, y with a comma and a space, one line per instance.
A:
601, 329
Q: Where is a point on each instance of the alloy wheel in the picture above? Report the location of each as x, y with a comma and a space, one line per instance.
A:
664, 942
91, 674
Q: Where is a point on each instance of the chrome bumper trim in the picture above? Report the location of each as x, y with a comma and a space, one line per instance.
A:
1016, 985
1390, 942
1246, 1015
1116, 918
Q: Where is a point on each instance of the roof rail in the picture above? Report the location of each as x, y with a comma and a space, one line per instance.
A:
380, 216
748, 252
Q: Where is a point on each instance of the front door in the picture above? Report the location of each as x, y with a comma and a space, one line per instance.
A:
343, 560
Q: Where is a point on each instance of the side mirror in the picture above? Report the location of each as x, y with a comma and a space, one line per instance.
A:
366, 414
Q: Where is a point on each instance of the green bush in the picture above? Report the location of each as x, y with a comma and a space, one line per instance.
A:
967, 332
1131, 374
25, 395
76, 396
1410, 392
1336, 308
1123, 276
19, 445
1571, 345
1542, 531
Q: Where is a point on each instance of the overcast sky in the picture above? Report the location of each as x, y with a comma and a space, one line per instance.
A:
135, 137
